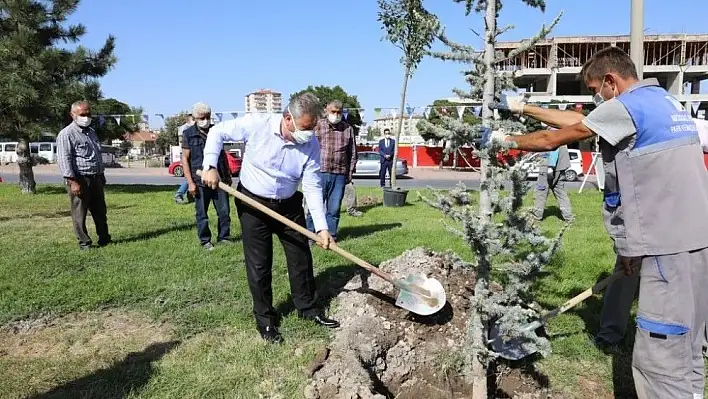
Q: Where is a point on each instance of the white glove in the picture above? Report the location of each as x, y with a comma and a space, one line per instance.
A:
498, 136
516, 106
702, 133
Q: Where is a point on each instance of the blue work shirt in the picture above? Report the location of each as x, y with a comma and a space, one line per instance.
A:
272, 167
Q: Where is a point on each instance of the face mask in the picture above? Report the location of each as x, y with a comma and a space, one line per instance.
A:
388, 136
597, 98
334, 118
83, 121
300, 136
203, 123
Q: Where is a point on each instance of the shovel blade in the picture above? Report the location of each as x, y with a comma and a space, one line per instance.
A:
513, 349
420, 294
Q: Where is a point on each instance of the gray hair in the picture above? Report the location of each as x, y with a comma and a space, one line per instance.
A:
78, 104
336, 104
305, 104
200, 108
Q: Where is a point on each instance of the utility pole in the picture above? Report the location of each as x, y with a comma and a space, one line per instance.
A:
636, 35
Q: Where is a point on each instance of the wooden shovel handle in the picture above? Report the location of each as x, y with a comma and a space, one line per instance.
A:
307, 233
572, 302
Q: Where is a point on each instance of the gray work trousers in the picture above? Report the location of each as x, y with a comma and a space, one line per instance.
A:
91, 199
616, 306
667, 360
551, 182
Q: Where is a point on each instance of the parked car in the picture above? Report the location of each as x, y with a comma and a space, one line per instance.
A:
369, 165
177, 170
532, 163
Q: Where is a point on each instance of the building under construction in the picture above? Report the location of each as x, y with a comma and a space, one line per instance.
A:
550, 70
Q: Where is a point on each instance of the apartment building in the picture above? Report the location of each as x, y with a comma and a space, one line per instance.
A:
264, 100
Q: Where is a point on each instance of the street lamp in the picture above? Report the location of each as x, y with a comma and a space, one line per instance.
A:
636, 35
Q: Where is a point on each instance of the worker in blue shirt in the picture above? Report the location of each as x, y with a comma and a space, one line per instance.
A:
654, 209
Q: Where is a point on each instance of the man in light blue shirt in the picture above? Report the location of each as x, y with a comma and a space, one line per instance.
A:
281, 152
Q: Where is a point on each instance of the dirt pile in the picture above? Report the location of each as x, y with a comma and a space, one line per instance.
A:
382, 351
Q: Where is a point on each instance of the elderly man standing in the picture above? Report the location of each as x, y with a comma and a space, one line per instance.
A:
81, 164
281, 152
182, 190
338, 158
654, 208
194, 138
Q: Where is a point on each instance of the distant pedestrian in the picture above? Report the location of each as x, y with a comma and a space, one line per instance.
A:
550, 179
80, 162
387, 146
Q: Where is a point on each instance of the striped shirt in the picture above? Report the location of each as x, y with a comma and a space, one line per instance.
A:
79, 152
337, 147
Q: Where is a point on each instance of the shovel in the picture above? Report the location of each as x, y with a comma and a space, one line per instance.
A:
417, 293
514, 349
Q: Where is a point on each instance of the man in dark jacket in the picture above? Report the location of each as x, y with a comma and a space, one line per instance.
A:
193, 140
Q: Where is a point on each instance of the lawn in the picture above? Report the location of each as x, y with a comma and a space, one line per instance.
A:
154, 316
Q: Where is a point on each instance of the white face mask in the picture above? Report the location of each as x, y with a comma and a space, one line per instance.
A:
203, 123
334, 118
83, 121
597, 98
301, 136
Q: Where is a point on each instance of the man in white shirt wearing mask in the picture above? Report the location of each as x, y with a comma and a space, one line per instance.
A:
281, 152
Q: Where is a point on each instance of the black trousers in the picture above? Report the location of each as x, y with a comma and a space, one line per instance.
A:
386, 166
257, 235
91, 199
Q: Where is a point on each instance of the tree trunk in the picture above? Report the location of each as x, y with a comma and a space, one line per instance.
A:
25, 163
479, 328
400, 125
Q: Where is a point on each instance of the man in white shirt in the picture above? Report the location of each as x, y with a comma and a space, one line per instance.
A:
281, 152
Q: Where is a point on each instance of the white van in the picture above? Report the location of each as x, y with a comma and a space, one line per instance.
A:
7, 152
45, 149
531, 163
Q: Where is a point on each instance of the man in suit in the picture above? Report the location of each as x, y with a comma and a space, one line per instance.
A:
387, 146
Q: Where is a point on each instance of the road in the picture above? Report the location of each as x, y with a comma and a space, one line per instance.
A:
157, 176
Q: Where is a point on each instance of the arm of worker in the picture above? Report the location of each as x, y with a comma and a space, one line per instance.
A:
312, 190
236, 129
702, 125
65, 156
610, 120
354, 155
552, 117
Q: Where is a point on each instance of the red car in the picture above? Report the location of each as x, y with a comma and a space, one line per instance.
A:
176, 169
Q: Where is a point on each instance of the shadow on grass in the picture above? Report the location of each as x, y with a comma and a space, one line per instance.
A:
141, 188
154, 233
330, 282
119, 381
590, 313
552, 211
366, 230
57, 214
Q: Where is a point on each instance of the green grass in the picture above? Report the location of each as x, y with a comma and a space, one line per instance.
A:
157, 269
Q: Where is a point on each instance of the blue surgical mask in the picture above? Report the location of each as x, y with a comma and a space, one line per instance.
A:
301, 136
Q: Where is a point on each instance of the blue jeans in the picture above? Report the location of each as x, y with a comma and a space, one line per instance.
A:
220, 198
182, 190
332, 193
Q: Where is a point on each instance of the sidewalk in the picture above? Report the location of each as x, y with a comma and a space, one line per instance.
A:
136, 168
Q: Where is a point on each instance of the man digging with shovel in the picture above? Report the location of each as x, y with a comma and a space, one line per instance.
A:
655, 213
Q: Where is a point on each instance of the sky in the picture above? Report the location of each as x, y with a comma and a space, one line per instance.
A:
173, 53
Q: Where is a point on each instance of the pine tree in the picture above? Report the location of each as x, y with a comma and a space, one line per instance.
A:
39, 79
510, 249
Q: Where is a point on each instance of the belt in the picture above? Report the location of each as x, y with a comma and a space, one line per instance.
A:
244, 190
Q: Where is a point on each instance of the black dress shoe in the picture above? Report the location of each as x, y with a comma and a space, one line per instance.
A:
322, 321
270, 334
